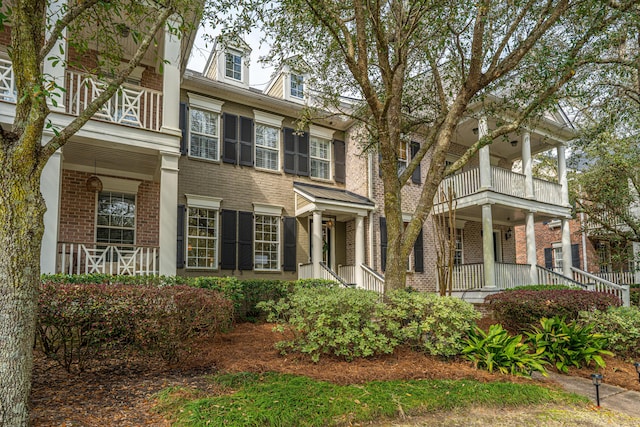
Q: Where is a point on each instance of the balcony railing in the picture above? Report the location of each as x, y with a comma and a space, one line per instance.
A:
131, 105
7, 82
503, 181
88, 258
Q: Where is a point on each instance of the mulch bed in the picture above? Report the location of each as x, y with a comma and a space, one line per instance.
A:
122, 393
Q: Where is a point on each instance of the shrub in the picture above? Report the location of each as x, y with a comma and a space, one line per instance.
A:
539, 288
519, 310
257, 290
430, 322
78, 323
497, 350
565, 344
621, 327
330, 321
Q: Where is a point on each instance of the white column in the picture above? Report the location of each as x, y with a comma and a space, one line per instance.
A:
171, 82
359, 250
566, 248
488, 255
636, 261
168, 212
532, 258
527, 166
50, 185
55, 11
562, 175
316, 243
485, 159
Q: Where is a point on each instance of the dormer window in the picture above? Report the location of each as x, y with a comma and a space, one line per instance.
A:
233, 66
297, 86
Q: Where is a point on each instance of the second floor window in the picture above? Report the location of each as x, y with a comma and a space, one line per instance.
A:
297, 86
403, 156
320, 154
233, 66
203, 131
267, 147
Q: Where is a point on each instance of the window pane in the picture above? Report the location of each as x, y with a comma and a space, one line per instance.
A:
267, 242
116, 218
202, 238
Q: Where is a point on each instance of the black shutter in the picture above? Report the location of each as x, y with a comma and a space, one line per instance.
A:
575, 255
289, 151
228, 248
184, 123
418, 256
289, 258
246, 141
245, 240
229, 154
416, 176
339, 159
302, 166
180, 237
548, 258
383, 243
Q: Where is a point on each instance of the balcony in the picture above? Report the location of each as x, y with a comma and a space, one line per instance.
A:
503, 182
89, 258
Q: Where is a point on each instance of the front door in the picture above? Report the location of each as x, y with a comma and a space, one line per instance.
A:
327, 256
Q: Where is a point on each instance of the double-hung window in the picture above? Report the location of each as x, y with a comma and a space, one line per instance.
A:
403, 155
204, 134
202, 231
267, 147
233, 66
320, 157
297, 86
116, 218
557, 257
458, 248
267, 242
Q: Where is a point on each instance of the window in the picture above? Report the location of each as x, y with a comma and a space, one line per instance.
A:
403, 156
202, 238
267, 242
267, 147
320, 153
557, 257
116, 218
233, 66
458, 249
297, 86
203, 131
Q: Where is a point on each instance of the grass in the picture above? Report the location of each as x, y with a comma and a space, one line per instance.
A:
286, 400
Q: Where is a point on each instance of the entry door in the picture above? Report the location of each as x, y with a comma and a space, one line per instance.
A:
327, 257
497, 245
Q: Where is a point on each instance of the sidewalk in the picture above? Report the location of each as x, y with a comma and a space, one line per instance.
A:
611, 397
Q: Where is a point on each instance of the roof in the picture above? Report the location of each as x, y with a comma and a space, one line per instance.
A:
319, 193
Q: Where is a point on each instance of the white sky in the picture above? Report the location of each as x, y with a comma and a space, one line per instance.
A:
259, 76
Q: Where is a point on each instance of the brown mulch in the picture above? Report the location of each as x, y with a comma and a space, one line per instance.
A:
122, 393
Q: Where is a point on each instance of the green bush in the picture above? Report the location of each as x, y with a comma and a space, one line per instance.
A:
497, 350
430, 322
621, 327
519, 310
78, 323
634, 296
331, 321
539, 288
565, 344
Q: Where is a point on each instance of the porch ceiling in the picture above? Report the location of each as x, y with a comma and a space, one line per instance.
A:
502, 214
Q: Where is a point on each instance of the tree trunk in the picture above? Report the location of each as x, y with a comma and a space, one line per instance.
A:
21, 215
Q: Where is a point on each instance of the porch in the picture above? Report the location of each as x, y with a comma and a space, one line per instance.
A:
90, 258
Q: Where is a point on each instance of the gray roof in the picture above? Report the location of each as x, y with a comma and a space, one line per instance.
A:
320, 193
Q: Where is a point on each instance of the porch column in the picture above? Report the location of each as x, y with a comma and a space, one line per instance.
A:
488, 255
527, 166
316, 243
562, 175
532, 258
566, 248
636, 262
171, 81
359, 250
56, 72
50, 184
168, 212
485, 159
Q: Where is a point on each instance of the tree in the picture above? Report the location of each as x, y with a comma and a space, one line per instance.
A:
41, 32
420, 66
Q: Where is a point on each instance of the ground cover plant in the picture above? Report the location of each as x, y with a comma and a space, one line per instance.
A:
286, 400
619, 325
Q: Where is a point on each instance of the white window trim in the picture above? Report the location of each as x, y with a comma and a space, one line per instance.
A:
321, 132
202, 202
555, 259
459, 232
267, 119
261, 210
291, 75
210, 105
224, 63
329, 159
135, 218
274, 121
119, 185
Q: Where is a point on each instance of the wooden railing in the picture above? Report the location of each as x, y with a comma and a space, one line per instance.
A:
372, 280
467, 276
549, 277
7, 82
131, 105
328, 274
348, 273
620, 277
512, 275
87, 258
503, 181
602, 285
305, 271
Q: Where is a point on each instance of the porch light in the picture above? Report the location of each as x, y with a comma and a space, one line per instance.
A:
514, 143
637, 365
508, 234
597, 380
94, 184
329, 223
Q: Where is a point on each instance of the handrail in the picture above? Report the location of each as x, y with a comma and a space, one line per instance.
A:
372, 272
333, 274
558, 278
372, 280
602, 285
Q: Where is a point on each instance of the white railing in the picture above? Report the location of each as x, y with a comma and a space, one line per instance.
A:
7, 82
347, 273
601, 285
620, 277
327, 273
506, 182
462, 184
305, 271
512, 275
131, 105
80, 258
372, 280
467, 276
549, 277
547, 192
